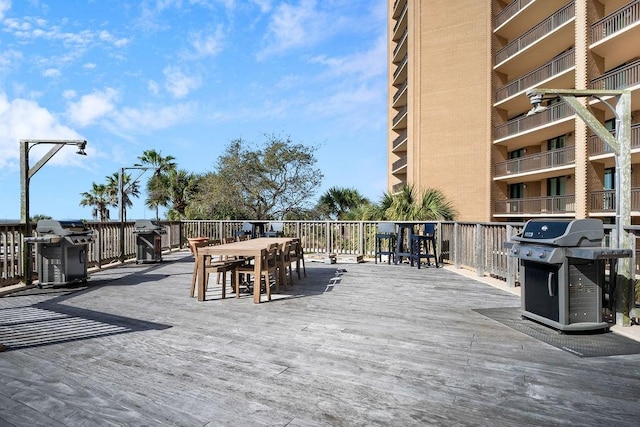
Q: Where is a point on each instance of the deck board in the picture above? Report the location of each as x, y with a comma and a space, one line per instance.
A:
387, 345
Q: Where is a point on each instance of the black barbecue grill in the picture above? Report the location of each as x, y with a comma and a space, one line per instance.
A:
149, 240
562, 272
61, 251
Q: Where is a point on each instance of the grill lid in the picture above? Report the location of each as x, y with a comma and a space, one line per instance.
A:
562, 232
145, 225
62, 228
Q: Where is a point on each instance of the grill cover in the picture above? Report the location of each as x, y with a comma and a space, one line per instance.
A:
148, 226
62, 228
562, 232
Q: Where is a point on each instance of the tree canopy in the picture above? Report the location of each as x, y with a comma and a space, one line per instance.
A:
269, 181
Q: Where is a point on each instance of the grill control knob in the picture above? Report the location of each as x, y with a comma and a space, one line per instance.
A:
527, 252
541, 255
515, 250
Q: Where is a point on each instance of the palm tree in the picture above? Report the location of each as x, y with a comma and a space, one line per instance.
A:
156, 194
129, 189
408, 205
337, 202
181, 187
100, 199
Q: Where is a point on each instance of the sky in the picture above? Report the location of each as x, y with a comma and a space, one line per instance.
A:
185, 78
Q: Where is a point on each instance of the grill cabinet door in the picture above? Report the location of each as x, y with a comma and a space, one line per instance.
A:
541, 289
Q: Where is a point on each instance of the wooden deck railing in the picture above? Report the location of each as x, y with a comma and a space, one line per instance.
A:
475, 246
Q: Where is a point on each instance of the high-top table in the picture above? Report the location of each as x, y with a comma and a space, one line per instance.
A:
246, 248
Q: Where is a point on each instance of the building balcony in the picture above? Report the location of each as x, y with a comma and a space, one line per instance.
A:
612, 35
400, 165
401, 47
398, 7
556, 73
400, 97
620, 78
603, 202
401, 19
400, 119
400, 74
398, 187
547, 163
527, 130
530, 206
599, 149
532, 49
399, 144
518, 14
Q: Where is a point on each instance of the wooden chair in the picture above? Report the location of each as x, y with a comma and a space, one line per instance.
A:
218, 266
297, 256
285, 258
269, 268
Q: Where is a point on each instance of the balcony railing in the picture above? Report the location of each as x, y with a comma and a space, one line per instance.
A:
616, 21
401, 113
401, 64
554, 205
598, 146
618, 78
402, 162
401, 41
562, 62
401, 17
399, 91
536, 162
524, 123
605, 200
510, 11
536, 33
400, 139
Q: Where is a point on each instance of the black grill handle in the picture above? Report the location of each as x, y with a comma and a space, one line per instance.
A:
550, 284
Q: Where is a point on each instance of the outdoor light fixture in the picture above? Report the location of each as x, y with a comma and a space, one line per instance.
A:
26, 173
621, 146
536, 101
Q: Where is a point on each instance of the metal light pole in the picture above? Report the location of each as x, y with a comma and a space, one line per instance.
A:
121, 190
621, 146
25, 176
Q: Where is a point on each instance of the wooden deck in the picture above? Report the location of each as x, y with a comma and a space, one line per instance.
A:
386, 345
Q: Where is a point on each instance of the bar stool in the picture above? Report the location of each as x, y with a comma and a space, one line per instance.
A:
385, 241
423, 245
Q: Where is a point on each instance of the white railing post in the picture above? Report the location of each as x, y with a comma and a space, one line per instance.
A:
480, 258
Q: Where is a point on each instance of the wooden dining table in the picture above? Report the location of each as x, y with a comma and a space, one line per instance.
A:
246, 248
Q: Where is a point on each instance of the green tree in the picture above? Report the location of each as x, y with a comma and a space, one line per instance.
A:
180, 188
408, 205
270, 181
213, 199
336, 203
129, 189
100, 199
157, 192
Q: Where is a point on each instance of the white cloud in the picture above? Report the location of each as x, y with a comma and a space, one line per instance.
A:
367, 64
153, 87
4, 6
89, 66
264, 5
152, 117
92, 107
293, 26
25, 119
207, 44
8, 59
178, 83
51, 72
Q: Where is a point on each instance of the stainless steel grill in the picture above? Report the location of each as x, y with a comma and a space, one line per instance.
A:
562, 272
61, 255
148, 240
